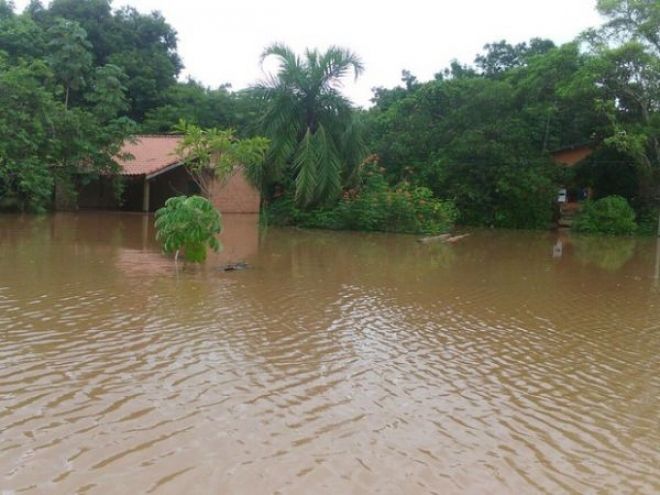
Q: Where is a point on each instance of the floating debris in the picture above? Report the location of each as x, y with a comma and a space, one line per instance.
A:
435, 238
446, 238
232, 267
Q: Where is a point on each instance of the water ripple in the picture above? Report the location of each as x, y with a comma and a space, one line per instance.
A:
340, 363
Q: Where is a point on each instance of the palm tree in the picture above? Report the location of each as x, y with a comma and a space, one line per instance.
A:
314, 136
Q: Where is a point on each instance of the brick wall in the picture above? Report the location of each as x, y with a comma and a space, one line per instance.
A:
237, 196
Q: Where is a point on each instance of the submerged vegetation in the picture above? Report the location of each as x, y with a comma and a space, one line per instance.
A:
472, 145
188, 225
610, 215
372, 205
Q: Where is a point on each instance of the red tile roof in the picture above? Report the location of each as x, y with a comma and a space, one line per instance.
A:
151, 154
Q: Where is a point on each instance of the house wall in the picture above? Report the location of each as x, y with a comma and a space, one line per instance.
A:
133, 190
237, 196
176, 182
97, 194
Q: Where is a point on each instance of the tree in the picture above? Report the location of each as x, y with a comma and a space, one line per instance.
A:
26, 122
315, 137
20, 37
624, 66
108, 94
62, 120
6, 8
501, 56
144, 46
470, 139
629, 20
206, 107
188, 224
94, 16
69, 55
146, 52
212, 156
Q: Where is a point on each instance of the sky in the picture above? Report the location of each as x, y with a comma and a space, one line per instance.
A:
220, 41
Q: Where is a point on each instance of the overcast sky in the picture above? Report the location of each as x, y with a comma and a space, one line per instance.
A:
220, 41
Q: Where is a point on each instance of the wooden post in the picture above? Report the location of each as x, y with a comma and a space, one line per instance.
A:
145, 195
145, 231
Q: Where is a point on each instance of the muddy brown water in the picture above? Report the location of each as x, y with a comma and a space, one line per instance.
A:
510, 362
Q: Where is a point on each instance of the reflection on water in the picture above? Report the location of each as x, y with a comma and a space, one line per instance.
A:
608, 253
338, 363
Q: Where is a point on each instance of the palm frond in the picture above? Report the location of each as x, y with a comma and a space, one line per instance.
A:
288, 59
338, 62
328, 182
282, 126
353, 148
309, 122
292, 69
305, 163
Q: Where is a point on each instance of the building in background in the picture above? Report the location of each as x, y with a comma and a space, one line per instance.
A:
153, 172
570, 196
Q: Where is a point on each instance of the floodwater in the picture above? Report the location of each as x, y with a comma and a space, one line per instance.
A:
338, 363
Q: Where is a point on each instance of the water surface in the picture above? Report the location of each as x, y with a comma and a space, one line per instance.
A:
510, 362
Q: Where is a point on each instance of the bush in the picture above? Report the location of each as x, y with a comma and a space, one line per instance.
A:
647, 221
25, 186
609, 215
188, 224
495, 185
405, 209
375, 207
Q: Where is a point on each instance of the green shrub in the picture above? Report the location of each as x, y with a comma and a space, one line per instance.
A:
188, 224
647, 221
375, 207
609, 215
25, 186
404, 209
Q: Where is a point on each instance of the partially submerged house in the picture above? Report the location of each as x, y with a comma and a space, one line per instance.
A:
570, 196
152, 172
571, 155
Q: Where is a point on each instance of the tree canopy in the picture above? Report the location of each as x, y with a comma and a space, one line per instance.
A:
314, 133
78, 76
482, 135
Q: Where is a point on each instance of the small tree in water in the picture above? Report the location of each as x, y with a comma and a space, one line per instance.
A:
212, 156
188, 225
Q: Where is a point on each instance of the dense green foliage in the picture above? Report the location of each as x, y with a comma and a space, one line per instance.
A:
373, 206
65, 97
479, 140
474, 144
205, 107
481, 135
142, 46
213, 155
609, 215
190, 225
315, 138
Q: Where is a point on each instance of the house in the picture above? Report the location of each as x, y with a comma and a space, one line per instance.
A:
571, 155
570, 196
152, 172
